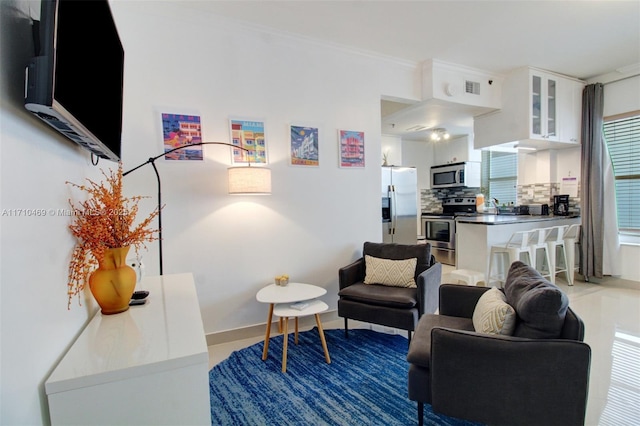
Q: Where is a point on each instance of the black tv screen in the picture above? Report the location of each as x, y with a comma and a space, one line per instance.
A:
75, 82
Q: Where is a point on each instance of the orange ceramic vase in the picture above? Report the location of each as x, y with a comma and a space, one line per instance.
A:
113, 283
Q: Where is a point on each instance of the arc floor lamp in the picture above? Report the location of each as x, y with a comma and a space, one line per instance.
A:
245, 180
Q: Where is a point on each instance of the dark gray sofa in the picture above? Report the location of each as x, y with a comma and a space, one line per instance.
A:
498, 379
389, 306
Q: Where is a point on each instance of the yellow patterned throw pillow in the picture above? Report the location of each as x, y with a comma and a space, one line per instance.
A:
396, 273
493, 315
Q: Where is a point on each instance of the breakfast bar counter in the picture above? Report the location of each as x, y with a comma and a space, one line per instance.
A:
476, 234
503, 219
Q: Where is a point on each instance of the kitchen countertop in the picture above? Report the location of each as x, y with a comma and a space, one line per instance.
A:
498, 219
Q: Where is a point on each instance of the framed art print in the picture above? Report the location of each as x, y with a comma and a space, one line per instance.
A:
250, 135
304, 145
179, 130
351, 145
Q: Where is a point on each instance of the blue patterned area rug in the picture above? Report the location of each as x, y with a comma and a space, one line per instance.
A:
365, 384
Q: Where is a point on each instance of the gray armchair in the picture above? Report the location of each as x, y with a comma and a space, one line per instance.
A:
389, 306
497, 379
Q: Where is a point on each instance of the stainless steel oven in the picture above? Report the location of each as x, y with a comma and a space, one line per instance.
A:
440, 232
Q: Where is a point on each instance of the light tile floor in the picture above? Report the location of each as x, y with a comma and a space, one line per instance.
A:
611, 312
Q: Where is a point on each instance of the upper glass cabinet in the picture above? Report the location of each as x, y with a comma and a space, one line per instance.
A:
543, 107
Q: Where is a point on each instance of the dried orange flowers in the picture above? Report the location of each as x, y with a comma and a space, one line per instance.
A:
105, 220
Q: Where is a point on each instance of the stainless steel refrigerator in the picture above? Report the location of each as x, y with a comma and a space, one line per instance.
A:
399, 205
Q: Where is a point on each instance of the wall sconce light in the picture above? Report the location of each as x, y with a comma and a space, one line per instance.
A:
245, 180
439, 134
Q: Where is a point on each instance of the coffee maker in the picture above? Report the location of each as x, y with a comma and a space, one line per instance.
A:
560, 205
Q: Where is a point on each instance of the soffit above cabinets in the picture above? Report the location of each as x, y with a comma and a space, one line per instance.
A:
414, 121
452, 95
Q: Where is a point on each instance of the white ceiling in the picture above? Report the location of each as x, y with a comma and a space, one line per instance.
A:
583, 39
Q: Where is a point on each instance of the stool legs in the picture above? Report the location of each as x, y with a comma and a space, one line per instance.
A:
506, 258
570, 249
559, 251
539, 263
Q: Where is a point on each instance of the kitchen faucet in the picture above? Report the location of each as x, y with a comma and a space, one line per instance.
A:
495, 202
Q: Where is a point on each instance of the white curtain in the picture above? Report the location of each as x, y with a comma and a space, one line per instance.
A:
611, 257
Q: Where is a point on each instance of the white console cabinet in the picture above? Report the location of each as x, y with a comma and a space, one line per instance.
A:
148, 365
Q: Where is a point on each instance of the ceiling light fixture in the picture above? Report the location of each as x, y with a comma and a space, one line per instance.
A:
523, 148
439, 134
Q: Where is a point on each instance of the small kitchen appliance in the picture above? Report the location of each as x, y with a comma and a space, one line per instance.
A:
560, 205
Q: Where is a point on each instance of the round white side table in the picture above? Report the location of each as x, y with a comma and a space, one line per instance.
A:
291, 293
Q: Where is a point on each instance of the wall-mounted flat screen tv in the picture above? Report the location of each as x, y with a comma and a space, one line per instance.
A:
75, 81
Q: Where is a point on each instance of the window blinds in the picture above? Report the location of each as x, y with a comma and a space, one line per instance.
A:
500, 175
623, 142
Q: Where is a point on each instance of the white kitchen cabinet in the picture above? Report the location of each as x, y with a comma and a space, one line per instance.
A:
570, 113
543, 98
539, 110
148, 365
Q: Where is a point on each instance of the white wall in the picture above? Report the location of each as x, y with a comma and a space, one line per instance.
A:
548, 166
622, 96
317, 218
36, 328
391, 146
456, 150
178, 60
420, 155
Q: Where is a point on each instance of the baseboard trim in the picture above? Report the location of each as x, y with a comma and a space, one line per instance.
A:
259, 330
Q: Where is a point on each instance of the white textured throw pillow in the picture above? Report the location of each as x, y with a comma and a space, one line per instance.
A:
396, 273
493, 315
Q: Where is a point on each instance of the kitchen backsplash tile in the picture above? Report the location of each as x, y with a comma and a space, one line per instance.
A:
431, 199
539, 193
542, 193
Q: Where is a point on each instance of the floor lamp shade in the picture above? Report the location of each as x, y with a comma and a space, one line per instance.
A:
249, 180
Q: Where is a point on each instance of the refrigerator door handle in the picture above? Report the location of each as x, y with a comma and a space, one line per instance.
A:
394, 213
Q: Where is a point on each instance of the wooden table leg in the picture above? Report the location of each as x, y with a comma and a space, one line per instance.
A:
322, 339
284, 344
296, 340
265, 351
280, 325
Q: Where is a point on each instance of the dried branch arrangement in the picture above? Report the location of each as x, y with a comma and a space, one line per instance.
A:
106, 219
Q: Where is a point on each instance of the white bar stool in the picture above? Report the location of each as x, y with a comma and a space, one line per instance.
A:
467, 276
571, 238
503, 255
558, 253
541, 262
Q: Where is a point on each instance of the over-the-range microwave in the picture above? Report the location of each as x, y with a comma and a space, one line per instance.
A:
456, 175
